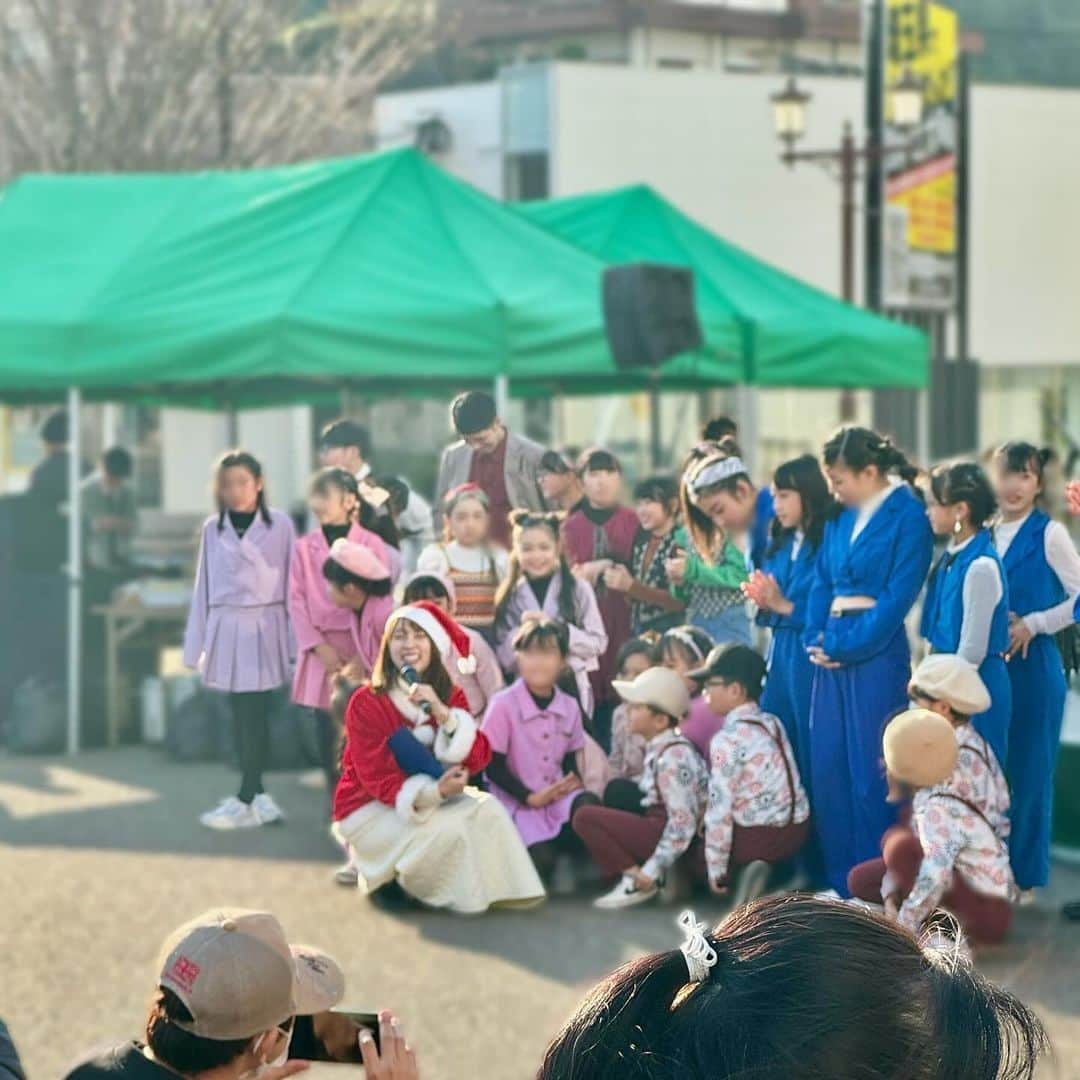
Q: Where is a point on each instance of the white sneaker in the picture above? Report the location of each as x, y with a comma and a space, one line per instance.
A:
564, 876
266, 810
625, 894
753, 881
347, 875
1028, 898
231, 814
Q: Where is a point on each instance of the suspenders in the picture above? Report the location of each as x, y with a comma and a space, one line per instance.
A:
787, 765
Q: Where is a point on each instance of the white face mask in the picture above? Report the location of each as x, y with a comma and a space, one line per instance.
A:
265, 1067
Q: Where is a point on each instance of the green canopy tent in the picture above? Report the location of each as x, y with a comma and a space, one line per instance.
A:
227, 288
238, 289
783, 331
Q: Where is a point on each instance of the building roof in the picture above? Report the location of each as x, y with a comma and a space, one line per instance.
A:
495, 20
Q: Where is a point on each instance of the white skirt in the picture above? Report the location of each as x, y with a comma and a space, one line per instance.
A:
466, 857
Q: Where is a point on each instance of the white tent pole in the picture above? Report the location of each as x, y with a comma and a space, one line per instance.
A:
922, 427
502, 396
746, 416
74, 659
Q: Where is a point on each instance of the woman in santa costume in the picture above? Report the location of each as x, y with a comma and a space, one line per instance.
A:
444, 843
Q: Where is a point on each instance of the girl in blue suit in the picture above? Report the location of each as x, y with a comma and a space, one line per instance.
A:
966, 610
781, 589
1043, 572
870, 569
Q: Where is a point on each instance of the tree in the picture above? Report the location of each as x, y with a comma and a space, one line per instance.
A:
125, 85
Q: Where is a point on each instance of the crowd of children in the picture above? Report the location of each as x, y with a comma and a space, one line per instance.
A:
593, 695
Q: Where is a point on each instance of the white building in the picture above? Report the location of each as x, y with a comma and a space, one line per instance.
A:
704, 139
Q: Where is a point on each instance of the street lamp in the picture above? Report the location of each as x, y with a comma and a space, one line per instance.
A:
906, 97
789, 119
789, 114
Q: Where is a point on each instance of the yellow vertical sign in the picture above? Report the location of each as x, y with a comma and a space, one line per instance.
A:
920, 174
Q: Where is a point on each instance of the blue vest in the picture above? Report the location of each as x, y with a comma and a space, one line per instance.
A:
943, 608
1033, 585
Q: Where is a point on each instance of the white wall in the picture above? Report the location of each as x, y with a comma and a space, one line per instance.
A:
192, 440
473, 113
705, 140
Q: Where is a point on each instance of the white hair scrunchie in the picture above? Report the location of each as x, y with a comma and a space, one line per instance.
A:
700, 955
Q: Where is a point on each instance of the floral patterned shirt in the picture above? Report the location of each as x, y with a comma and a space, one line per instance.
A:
754, 781
979, 778
627, 757
673, 777
955, 840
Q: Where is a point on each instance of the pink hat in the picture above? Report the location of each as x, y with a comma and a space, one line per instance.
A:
441, 628
359, 560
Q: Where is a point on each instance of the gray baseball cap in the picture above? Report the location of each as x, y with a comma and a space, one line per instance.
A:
237, 974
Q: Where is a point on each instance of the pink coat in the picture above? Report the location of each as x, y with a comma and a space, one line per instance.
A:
486, 681
237, 630
317, 620
588, 638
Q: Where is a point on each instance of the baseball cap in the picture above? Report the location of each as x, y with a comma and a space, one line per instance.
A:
658, 687
237, 974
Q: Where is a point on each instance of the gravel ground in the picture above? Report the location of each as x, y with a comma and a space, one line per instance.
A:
101, 856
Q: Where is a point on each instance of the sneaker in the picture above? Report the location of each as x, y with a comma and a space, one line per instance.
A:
231, 814
1028, 898
625, 894
564, 877
315, 779
266, 810
753, 881
347, 875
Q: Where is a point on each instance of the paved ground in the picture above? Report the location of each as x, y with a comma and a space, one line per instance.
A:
101, 856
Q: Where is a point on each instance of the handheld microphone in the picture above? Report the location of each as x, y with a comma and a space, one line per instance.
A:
412, 677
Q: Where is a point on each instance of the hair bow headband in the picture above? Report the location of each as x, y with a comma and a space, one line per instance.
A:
687, 639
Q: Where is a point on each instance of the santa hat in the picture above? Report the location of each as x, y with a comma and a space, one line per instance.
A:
442, 629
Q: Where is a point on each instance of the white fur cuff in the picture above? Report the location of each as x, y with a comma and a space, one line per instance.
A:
411, 805
453, 746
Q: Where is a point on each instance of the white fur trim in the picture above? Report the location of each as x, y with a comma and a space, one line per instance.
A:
467, 664
427, 622
405, 803
453, 746
424, 734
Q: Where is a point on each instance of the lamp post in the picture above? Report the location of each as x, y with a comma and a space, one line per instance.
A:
789, 118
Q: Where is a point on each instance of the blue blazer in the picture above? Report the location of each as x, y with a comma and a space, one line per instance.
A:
795, 578
888, 561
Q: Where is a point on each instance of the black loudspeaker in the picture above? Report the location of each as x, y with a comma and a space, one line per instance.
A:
649, 313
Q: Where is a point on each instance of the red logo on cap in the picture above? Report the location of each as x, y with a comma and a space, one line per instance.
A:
185, 972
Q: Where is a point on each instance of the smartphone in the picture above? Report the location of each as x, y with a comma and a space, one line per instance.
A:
332, 1037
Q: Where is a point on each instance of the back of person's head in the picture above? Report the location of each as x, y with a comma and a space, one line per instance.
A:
117, 462
801, 989
398, 491
54, 431
229, 986
720, 427
178, 1048
473, 411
